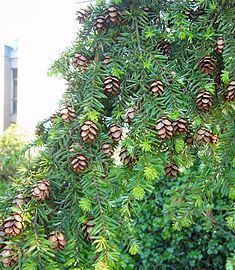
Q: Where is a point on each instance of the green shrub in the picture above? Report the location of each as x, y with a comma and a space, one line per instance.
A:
11, 144
204, 245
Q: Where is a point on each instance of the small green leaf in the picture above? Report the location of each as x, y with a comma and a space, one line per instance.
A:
138, 193
179, 145
174, 115
231, 221
150, 173
210, 87
134, 249
225, 76
213, 6
150, 32
117, 72
197, 121
93, 116
85, 204
146, 146
232, 193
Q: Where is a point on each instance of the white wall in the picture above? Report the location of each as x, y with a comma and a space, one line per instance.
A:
1, 87
43, 29
50, 27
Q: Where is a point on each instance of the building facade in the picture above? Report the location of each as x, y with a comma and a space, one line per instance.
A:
8, 89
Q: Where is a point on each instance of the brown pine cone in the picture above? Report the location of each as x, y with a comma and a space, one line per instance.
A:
189, 140
58, 240
86, 229
9, 257
164, 47
220, 45
107, 149
115, 133
207, 65
203, 135
190, 14
126, 158
2, 237
172, 170
180, 126
111, 85
79, 163
113, 15
164, 128
80, 61
100, 24
214, 139
39, 131
82, 15
130, 114
19, 200
107, 60
13, 225
157, 88
230, 92
204, 101
68, 113
218, 80
89, 131
41, 190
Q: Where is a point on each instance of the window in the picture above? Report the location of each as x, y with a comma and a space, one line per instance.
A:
14, 73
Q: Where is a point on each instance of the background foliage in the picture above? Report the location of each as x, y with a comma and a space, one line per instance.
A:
11, 144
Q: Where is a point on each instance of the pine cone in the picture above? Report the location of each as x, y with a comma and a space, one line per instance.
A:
107, 149
13, 226
111, 85
2, 237
220, 45
214, 139
86, 229
39, 131
82, 15
41, 190
172, 170
189, 140
9, 257
79, 163
164, 128
207, 65
115, 133
190, 13
230, 92
180, 126
19, 200
68, 113
126, 158
89, 131
107, 60
80, 61
113, 15
218, 80
204, 101
130, 114
100, 25
203, 135
157, 88
58, 240
164, 47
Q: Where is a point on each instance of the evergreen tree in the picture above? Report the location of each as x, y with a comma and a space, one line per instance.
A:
146, 122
